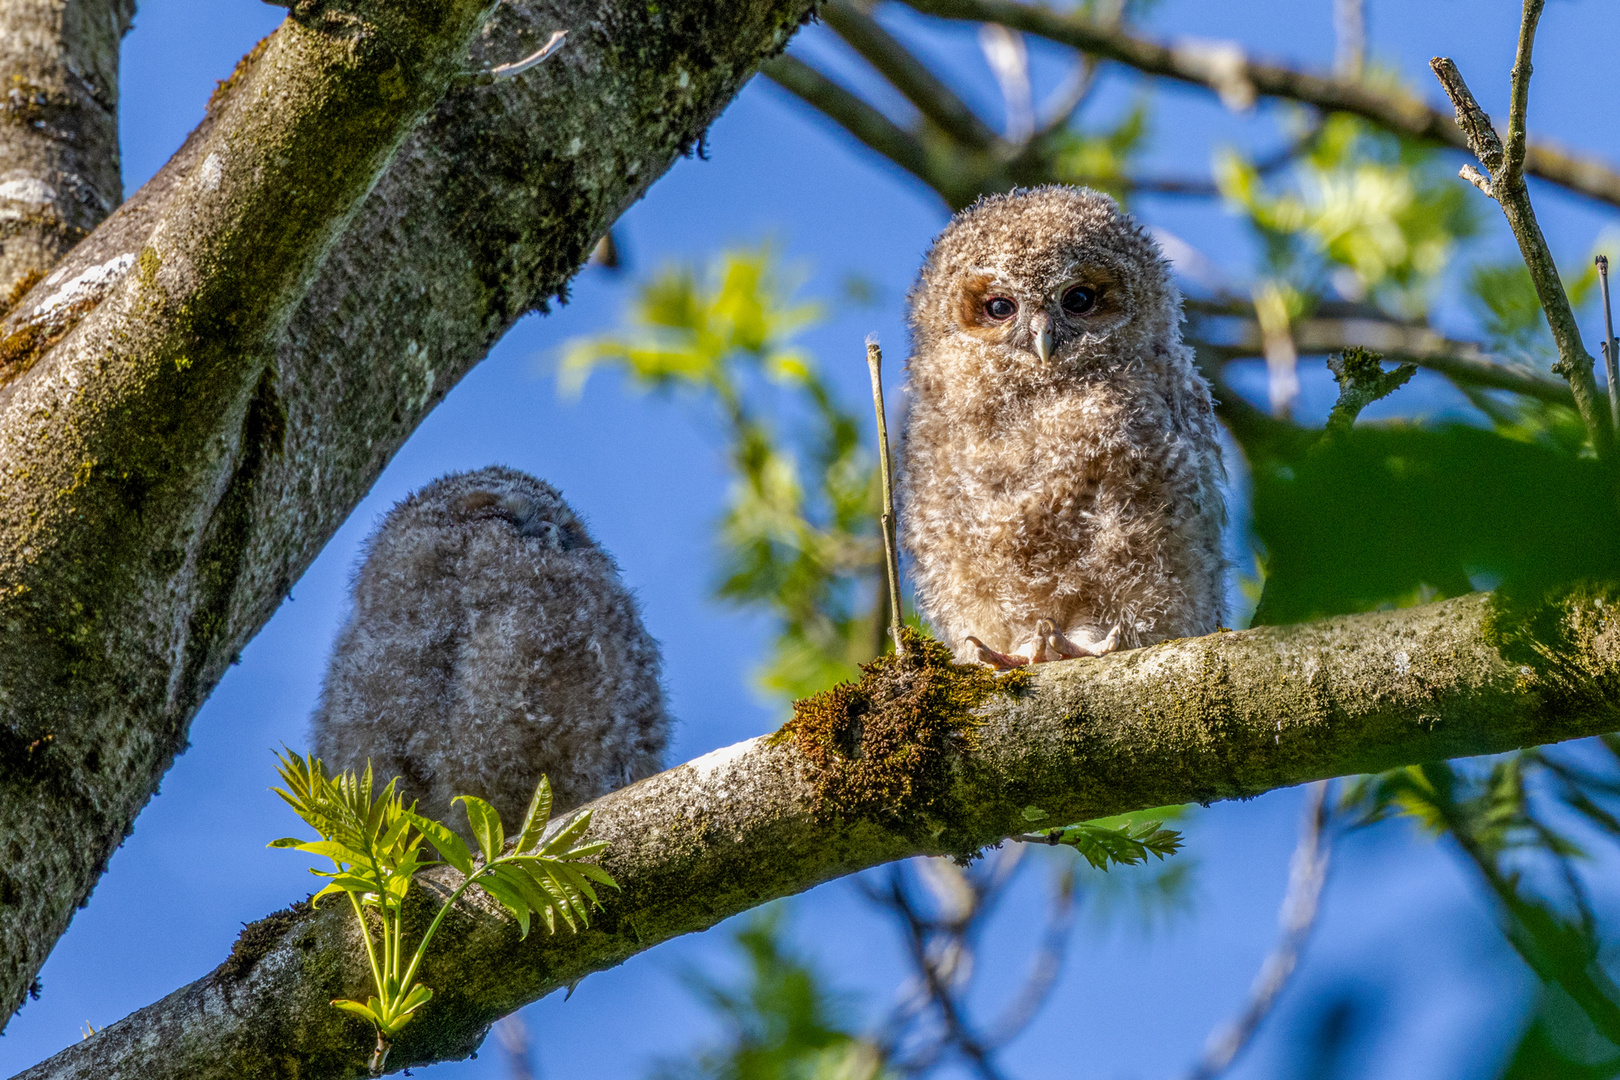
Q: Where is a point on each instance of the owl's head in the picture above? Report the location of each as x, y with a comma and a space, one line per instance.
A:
496, 498
1041, 283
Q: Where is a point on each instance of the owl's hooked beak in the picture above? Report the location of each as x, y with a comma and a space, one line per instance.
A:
1040, 331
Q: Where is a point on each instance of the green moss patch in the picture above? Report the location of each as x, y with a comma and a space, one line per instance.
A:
881, 748
258, 938
1566, 641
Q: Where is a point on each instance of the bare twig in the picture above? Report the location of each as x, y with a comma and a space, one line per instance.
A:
1048, 963
1338, 327
1391, 110
1306, 876
1611, 359
1504, 182
861, 120
874, 365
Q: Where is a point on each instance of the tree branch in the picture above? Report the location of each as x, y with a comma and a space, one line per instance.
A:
874, 130
1464, 361
907, 74
58, 129
1225, 716
266, 339
1226, 70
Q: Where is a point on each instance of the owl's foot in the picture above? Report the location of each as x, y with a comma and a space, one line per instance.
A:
1048, 644
998, 660
1056, 641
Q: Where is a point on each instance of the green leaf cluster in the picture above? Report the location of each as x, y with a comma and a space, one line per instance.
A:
1371, 215
1125, 840
376, 845
798, 537
1528, 866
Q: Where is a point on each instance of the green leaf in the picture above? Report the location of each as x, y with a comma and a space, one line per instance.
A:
1122, 845
486, 825
567, 835
358, 1009
538, 816
506, 895
451, 847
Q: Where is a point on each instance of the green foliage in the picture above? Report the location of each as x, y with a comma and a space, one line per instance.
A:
1100, 159
1384, 212
781, 1022
798, 537
1125, 840
1503, 296
1488, 811
376, 848
1389, 516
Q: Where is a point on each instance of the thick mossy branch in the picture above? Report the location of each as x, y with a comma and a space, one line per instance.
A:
883, 748
1225, 716
343, 237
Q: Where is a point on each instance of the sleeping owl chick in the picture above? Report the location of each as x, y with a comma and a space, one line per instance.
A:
491, 642
1061, 487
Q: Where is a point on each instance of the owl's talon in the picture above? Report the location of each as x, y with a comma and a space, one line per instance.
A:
1067, 648
999, 661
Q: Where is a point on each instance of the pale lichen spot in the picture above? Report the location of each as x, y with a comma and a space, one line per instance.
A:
96, 278
210, 173
25, 189
717, 760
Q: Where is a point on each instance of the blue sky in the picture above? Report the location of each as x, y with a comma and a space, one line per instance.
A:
1404, 936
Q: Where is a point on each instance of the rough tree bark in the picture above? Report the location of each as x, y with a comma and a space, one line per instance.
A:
59, 173
203, 388
1226, 716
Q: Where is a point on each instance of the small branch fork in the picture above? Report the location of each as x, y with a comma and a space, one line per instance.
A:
1503, 180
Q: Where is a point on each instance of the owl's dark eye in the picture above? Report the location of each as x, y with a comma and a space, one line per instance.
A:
1000, 308
1079, 300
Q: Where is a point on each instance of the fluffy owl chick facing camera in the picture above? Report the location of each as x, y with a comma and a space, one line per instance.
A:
491, 642
1061, 474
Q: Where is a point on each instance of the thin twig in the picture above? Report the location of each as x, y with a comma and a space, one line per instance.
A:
1504, 182
874, 364
1048, 963
1306, 875
1611, 356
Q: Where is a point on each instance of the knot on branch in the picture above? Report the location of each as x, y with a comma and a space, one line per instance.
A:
1362, 380
881, 748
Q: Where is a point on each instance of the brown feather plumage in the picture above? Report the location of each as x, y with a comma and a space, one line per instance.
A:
1084, 488
491, 642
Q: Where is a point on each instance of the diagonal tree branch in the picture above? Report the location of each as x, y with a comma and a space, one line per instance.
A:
911, 77
59, 173
1226, 716
265, 339
1224, 69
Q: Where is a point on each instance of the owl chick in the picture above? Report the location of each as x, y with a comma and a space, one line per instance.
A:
1061, 474
491, 643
